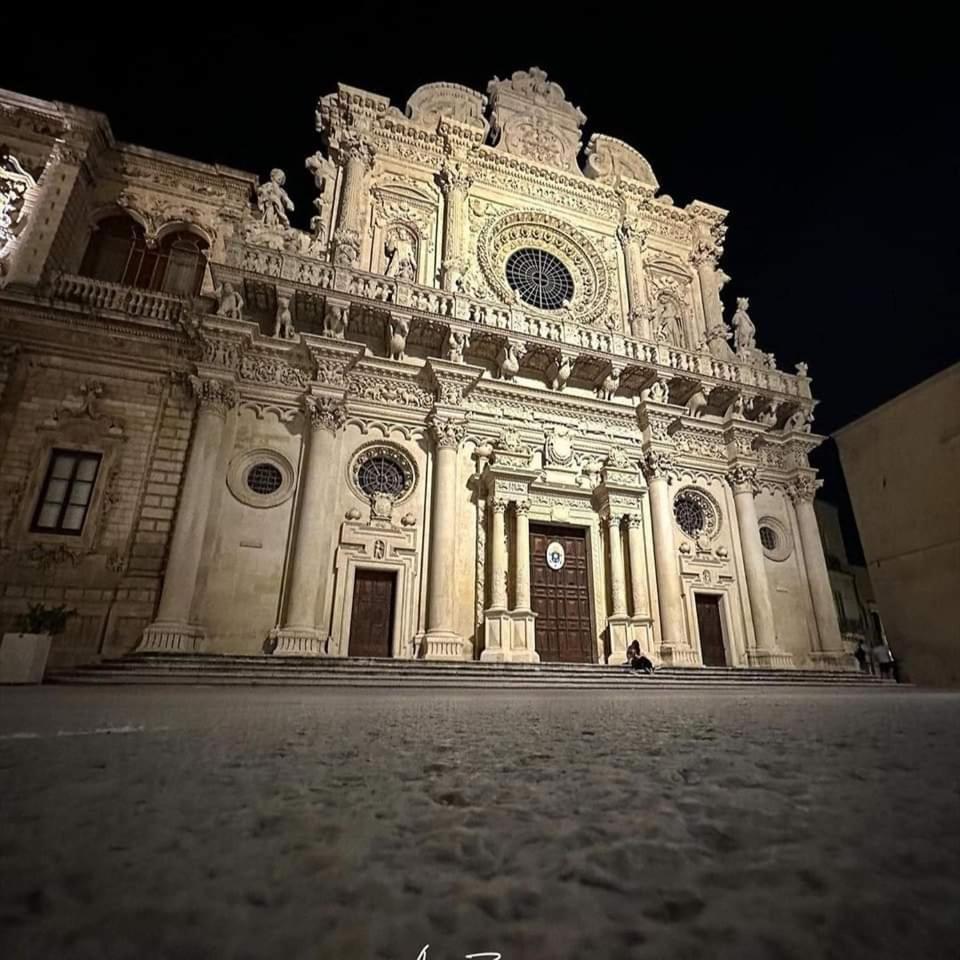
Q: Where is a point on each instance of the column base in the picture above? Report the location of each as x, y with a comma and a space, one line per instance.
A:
509, 636
298, 642
166, 637
680, 656
445, 645
620, 635
770, 659
833, 660
643, 634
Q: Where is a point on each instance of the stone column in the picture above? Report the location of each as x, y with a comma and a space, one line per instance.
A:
743, 483
656, 468
498, 554
455, 184
299, 635
618, 587
356, 156
638, 568
442, 641
632, 240
830, 652
704, 258
172, 629
521, 557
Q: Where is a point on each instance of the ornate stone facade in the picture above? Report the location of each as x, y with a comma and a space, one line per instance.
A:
485, 340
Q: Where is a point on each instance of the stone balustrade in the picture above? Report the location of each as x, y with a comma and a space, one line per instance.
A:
102, 295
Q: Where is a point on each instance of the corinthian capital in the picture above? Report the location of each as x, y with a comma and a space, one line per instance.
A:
353, 147
804, 488
216, 396
446, 432
323, 413
742, 479
706, 251
656, 464
630, 232
453, 176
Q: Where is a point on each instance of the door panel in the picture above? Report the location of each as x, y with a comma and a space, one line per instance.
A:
711, 630
371, 623
561, 598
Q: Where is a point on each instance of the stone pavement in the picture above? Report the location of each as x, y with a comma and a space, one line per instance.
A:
201, 823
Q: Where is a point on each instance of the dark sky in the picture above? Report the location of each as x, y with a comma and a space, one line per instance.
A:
832, 147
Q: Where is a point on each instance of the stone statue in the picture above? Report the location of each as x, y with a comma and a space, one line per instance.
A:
744, 332
508, 360
558, 373
318, 224
802, 370
273, 200
283, 322
229, 302
658, 392
398, 329
696, 404
666, 323
456, 344
323, 171
336, 318
609, 385
401, 256
717, 345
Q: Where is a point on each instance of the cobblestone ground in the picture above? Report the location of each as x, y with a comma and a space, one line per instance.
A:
200, 823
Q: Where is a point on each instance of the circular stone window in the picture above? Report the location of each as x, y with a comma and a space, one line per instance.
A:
775, 539
260, 478
381, 470
539, 278
696, 513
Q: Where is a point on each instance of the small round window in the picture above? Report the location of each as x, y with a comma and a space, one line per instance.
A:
264, 478
382, 471
539, 278
769, 538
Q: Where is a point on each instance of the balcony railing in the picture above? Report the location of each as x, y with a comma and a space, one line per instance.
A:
103, 295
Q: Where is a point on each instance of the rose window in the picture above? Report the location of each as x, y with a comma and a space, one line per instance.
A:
539, 278
695, 513
382, 471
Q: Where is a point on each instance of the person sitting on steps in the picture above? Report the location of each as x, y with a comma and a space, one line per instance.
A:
637, 660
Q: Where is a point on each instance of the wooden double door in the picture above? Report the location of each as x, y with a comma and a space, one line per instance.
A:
371, 620
561, 597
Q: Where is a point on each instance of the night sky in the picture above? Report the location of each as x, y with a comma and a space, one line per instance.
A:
833, 147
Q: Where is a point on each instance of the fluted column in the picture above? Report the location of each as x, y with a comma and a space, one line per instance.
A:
172, 629
656, 468
638, 566
356, 156
498, 555
442, 641
299, 635
802, 492
743, 482
618, 586
521, 557
705, 257
455, 184
632, 240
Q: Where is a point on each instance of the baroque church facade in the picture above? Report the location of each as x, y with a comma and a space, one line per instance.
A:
487, 406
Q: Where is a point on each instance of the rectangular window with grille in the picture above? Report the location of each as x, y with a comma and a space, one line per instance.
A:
66, 493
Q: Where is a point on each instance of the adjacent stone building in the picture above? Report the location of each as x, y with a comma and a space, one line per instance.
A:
902, 463
486, 406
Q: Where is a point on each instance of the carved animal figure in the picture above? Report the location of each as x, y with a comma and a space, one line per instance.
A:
456, 344
283, 322
229, 302
558, 373
696, 404
609, 386
508, 360
398, 331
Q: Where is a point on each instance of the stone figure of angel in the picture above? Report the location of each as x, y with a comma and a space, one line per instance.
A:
274, 201
744, 332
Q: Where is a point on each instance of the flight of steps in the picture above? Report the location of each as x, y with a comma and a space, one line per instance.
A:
215, 670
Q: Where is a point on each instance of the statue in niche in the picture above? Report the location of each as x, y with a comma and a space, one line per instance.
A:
744, 332
401, 255
457, 342
398, 329
667, 321
283, 322
229, 302
274, 201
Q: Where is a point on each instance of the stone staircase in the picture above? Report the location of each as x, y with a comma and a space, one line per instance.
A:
265, 671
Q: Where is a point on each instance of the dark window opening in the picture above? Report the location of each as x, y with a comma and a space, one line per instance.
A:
67, 492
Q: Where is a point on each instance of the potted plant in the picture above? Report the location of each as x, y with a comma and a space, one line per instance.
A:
23, 655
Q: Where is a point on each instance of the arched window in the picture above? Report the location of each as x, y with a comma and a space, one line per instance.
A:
118, 252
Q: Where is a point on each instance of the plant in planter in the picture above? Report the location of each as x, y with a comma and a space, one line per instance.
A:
23, 655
